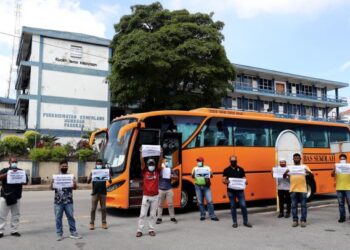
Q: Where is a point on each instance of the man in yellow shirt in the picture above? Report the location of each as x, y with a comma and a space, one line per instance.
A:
343, 189
298, 190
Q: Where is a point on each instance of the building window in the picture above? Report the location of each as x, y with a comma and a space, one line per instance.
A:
308, 90
267, 107
76, 51
266, 84
295, 109
250, 104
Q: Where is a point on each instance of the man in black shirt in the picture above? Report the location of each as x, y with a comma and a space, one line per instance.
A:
10, 199
234, 171
99, 192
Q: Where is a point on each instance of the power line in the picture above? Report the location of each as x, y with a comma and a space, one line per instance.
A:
56, 46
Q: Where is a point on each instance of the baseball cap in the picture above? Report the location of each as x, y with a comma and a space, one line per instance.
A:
200, 158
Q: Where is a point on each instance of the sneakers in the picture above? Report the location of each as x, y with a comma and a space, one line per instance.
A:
92, 226
280, 215
173, 220
202, 218
341, 220
59, 238
152, 233
1, 235
138, 234
215, 219
104, 226
75, 236
235, 225
287, 215
159, 220
295, 224
16, 234
247, 224
303, 223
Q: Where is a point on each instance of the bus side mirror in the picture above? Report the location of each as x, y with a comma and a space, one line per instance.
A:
100, 138
128, 127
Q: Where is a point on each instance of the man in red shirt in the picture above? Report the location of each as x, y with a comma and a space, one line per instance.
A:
150, 174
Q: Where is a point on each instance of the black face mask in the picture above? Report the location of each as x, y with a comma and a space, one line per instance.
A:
64, 170
234, 163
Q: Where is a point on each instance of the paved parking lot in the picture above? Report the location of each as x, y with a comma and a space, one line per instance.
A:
268, 232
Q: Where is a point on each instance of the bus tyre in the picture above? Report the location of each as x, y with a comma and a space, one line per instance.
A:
310, 188
187, 195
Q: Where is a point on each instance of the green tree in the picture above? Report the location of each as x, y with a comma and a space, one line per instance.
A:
169, 59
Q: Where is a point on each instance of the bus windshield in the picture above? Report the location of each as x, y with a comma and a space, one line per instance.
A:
115, 153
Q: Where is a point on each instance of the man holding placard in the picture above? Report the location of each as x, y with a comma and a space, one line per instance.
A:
12, 179
283, 187
298, 189
63, 184
99, 176
167, 175
234, 178
342, 175
202, 175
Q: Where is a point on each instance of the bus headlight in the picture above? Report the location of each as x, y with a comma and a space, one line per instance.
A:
115, 186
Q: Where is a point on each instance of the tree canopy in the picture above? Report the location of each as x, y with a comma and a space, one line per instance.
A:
169, 60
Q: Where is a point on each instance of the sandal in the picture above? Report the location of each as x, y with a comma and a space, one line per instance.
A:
138, 234
152, 233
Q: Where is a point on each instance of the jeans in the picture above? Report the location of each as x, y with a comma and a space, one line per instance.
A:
201, 193
94, 202
284, 198
233, 195
169, 196
342, 195
15, 214
298, 197
148, 202
68, 209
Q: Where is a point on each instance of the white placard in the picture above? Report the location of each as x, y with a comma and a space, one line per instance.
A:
202, 172
237, 183
297, 170
342, 168
62, 181
100, 174
278, 172
150, 150
166, 173
16, 177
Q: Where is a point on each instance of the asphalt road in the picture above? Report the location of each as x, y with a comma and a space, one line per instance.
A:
38, 229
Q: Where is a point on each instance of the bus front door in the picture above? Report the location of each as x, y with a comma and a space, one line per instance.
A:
171, 144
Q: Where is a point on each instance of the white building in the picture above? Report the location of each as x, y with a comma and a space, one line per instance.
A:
61, 86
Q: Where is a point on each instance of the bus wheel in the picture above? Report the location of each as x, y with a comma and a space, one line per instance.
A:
186, 197
310, 188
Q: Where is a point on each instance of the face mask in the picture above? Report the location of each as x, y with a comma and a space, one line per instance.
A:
200, 164
167, 164
282, 165
13, 165
342, 161
234, 163
64, 170
151, 168
98, 166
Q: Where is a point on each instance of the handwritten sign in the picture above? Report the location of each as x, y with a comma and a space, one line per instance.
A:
297, 170
202, 172
150, 150
100, 174
62, 181
342, 168
278, 172
16, 177
237, 183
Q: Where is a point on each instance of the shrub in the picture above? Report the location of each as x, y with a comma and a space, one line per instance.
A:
2, 149
48, 140
59, 153
40, 154
70, 149
86, 154
14, 145
32, 137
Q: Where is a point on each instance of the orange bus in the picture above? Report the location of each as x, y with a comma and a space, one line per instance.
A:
214, 134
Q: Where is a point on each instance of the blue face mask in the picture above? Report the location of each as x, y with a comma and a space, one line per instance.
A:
167, 164
200, 164
13, 165
98, 166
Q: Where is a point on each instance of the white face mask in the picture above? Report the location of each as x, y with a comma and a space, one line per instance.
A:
151, 168
13, 165
342, 161
200, 164
98, 166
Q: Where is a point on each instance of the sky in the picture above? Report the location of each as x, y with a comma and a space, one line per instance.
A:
306, 37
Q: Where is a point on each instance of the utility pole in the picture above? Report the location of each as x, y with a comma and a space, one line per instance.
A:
15, 43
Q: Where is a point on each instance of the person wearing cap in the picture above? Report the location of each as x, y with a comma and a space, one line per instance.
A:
150, 171
343, 189
235, 171
283, 186
202, 175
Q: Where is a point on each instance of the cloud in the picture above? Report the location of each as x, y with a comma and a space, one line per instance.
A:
345, 66
252, 8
